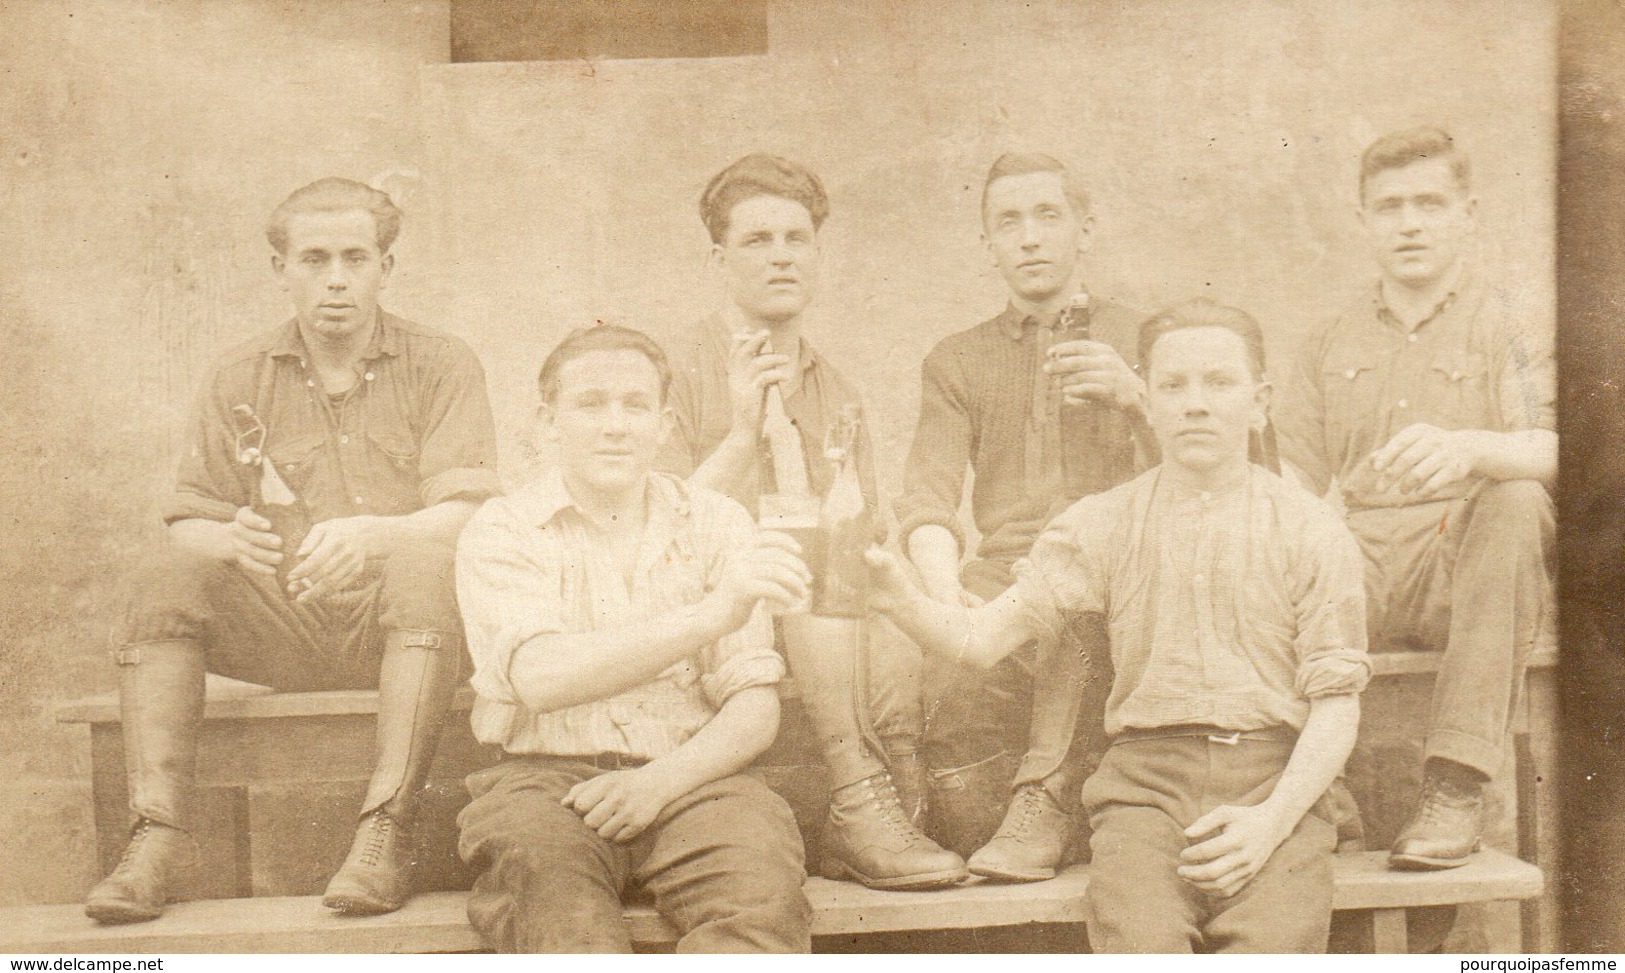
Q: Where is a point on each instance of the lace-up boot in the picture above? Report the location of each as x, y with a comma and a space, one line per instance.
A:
139, 887
1447, 826
869, 838
1031, 843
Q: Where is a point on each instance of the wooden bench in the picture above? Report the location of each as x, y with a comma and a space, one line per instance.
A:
437, 923
262, 755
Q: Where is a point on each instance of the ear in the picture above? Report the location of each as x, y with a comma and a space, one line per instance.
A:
717, 258
668, 424
545, 425
1086, 233
388, 264
279, 266
1261, 405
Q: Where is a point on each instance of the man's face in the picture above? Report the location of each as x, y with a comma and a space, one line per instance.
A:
1418, 219
1035, 235
608, 420
333, 270
1203, 399
769, 257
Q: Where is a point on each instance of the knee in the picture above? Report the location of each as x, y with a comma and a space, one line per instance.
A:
419, 588
1519, 510
169, 595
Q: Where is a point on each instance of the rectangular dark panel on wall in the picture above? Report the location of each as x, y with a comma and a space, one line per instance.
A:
554, 30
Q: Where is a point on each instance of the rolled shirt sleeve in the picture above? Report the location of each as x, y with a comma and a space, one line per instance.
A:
458, 459
745, 657
1064, 576
1329, 600
508, 592
210, 484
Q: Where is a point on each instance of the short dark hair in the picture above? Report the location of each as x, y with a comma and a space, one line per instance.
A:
755, 175
1025, 163
1202, 312
1397, 150
336, 195
603, 337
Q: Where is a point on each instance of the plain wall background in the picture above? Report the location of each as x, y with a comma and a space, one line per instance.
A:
142, 145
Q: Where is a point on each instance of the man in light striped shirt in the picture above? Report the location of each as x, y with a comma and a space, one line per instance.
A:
623, 660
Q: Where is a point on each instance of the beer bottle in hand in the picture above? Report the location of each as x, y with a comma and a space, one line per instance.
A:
844, 520
273, 498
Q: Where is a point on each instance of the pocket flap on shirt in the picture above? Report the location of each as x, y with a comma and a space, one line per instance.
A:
1460, 366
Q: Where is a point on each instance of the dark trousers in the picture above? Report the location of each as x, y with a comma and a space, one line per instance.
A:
250, 630
722, 863
1140, 801
1471, 577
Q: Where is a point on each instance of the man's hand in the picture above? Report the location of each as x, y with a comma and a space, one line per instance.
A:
246, 540
750, 372
335, 555
890, 585
1422, 460
1093, 371
620, 804
1240, 840
768, 569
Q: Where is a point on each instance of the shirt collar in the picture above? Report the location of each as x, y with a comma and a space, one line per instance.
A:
1459, 289
542, 499
386, 340
809, 357
1015, 322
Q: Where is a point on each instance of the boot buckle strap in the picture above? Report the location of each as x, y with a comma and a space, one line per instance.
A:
420, 640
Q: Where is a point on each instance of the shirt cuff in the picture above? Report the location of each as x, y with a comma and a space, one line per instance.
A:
463, 483
742, 672
192, 506
920, 518
1338, 672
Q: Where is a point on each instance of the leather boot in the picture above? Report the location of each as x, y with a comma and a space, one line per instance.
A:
419, 674
160, 710
967, 803
1031, 843
867, 835
1447, 826
907, 771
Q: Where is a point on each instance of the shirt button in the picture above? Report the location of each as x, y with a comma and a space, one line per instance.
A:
357, 500
1350, 374
1411, 337
310, 382
370, 376
344, 439
1403, 404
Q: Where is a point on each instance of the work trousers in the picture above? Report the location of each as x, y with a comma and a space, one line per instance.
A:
251, 630
1471, 577
1140, 801
722, 863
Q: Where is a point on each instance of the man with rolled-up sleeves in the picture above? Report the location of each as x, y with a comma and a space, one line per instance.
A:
1431, 406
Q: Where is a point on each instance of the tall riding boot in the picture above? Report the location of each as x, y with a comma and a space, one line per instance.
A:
161, 708
867, 836
420, 673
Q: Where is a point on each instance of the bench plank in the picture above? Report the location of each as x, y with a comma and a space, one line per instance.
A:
436, 922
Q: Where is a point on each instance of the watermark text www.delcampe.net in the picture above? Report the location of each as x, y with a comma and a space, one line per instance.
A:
73, 964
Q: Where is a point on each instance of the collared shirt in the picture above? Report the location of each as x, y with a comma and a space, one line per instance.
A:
1364, 376
531, 564
414, 431
704, 410
981, 394
1231, 609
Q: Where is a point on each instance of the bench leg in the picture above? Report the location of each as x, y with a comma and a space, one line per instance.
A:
1388, 933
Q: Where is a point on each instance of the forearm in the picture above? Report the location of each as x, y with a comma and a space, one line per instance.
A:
726, 469
556, 671
1530, 454
441, 522
976, 636
742, 729
935, 554
1321, 751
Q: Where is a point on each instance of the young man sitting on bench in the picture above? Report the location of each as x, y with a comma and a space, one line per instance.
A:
1236, 614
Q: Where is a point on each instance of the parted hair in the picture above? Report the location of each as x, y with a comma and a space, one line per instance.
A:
1201, 312
336, 195
603, 337
1396, 150
755, 175
1025, 163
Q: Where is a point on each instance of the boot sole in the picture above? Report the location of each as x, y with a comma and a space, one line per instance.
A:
841, 871
120, 913
1425, 863
351, 905
1011, 876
